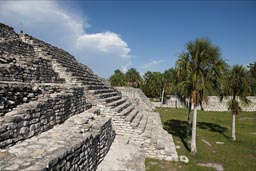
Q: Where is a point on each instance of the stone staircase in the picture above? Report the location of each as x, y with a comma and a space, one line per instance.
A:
144, 128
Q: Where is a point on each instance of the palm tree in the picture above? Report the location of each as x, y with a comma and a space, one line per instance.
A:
133, 77
203, 67
184, 90
237, 86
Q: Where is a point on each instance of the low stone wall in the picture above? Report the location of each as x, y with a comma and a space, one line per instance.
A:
88, 154
13, 94
38, 116
213, 104
136, 93
80, 143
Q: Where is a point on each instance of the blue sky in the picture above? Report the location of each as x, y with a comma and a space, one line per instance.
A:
147, 35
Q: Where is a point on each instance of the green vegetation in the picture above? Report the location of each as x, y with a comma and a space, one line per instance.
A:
236, 85
212, 127
130, 78
118, 79
252, 78
157, 84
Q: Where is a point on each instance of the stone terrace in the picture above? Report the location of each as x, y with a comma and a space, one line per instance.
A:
63, 119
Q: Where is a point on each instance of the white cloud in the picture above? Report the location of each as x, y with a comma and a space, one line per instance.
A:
107, 42
151, 64
103, 52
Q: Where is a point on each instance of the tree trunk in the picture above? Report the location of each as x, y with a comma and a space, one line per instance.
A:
233, 128
189, 122
162, 97
193, 137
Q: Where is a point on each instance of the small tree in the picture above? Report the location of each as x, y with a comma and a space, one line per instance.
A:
117, 79
152, 84
236, 85
169, 82
133, 78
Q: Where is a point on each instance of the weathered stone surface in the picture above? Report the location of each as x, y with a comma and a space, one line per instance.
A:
66, 146
123, 156
138, 94
53, 110
45, 89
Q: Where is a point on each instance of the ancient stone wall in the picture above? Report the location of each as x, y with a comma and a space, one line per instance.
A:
88, 154
13, 94
213, 104
78, 144
38, 116
77, 71
19, 62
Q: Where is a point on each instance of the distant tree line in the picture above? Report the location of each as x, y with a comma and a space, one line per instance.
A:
171, 81
199, 72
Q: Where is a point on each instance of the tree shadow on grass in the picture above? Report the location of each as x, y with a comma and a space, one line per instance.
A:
177, 128
212, 128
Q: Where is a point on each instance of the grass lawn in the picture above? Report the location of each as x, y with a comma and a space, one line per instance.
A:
212, 127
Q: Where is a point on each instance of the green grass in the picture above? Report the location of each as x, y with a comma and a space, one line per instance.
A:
212, 127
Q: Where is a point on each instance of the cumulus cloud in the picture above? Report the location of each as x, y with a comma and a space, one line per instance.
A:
107, 42
47, 20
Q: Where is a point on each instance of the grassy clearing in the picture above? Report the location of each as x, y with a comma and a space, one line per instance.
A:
212, 127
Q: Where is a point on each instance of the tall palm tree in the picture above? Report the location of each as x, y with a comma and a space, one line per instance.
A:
204, 67
184, 89
236, 85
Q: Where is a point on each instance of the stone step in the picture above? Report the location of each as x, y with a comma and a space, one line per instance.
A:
122, 106
142, 124
136, 120
95, 87
148, 129
73, 145
101, 91
106, 95
111, 99
127, 110
116, 103
93, 83
129, 118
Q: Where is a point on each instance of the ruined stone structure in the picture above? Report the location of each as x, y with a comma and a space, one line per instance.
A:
55, 114
213, 104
